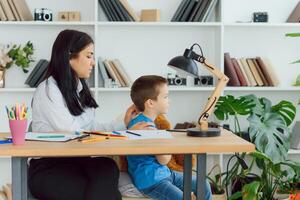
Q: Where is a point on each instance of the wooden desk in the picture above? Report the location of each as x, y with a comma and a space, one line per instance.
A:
180, 144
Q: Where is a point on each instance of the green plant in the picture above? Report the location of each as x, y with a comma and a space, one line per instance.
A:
268, 129
297, 83
216, 182
282, 175
16, 55
268, 125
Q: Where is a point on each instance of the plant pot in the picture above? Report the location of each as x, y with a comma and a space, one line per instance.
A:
219, 196
2, 77
295, 196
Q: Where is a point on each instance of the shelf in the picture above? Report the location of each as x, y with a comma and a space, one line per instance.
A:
255, 24
24, 89
171, 88
177, 88
203, 24
17, 90
42, 23
277, 89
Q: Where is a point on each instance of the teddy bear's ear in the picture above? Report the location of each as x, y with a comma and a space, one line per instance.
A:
161, 122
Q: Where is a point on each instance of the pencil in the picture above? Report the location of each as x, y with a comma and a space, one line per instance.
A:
132, 133
93, 140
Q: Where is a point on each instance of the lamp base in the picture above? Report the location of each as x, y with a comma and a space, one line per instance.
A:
196, 132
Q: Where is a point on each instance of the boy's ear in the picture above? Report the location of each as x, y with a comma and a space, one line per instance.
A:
149, 103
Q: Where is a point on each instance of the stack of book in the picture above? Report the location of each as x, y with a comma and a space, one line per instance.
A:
249, 71
38, 73
14, 10
118, 10
194, 11
113, 69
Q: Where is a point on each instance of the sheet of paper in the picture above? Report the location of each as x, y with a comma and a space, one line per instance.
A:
50, 137
146, 134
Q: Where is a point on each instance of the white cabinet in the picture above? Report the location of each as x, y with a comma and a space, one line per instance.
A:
146, 47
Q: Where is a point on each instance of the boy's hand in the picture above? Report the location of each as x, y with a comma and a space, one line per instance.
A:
163, 159
142, 126
131, 112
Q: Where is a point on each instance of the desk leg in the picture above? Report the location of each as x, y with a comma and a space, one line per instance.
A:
187, 177
201, 176
19, 178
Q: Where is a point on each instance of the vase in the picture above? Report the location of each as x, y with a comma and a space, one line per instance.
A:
2, 77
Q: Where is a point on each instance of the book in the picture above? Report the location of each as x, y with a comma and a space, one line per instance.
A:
2, 14
208, 12
262, 76
239, 72
14, 10
118, 11
34, 71
194, 11
264, 70
295, 15
102, 73
23, 10
130, 10
106, 10
188, 10
7, 10
230, 71
42, 75
243, 72
111, 72
201, 18
122, 71
254, 72
112, 11
116, 72
200, 10
248, 72
178, 10
180, 13
271, 71
124, 11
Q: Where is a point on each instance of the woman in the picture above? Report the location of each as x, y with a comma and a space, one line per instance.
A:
63, 102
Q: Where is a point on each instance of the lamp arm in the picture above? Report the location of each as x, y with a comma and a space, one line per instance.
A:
212, 100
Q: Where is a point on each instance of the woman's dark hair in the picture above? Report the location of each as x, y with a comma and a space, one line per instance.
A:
67, 45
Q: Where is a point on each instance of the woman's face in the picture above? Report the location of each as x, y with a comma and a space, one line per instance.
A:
84, 62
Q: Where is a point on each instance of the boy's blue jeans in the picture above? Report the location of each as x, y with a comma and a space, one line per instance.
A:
171, 188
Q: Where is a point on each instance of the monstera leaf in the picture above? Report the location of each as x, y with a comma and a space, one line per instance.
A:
286, 110
270, 135
229, 105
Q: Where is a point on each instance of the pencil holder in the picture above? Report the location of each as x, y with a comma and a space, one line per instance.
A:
17, 129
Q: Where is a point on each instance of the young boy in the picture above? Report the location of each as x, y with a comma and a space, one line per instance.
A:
149, 172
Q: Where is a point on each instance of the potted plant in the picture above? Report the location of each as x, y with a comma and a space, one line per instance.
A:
272, 177
268, 130
14, 55
217, 183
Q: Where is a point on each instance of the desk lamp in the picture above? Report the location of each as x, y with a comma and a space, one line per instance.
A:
185, 65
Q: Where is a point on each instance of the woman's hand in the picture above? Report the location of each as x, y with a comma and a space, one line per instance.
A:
131, 112
142, 126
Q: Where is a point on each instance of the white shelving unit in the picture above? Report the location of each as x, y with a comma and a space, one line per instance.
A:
146, 48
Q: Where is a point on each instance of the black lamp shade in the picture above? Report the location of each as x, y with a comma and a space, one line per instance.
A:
184, 66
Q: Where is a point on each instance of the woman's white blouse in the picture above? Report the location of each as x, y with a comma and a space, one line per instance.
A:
50, 112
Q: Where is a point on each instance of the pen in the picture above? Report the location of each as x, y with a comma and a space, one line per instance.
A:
132, 133
6, 141
50, 136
